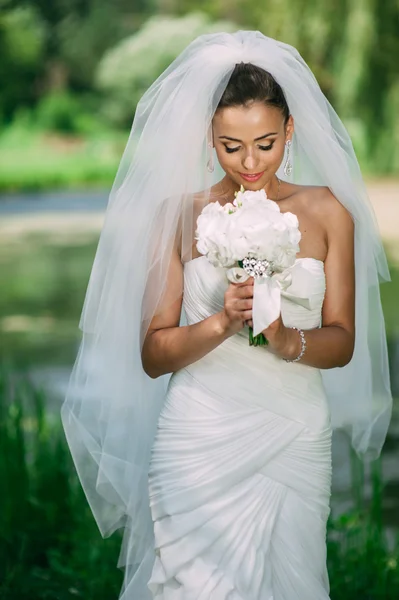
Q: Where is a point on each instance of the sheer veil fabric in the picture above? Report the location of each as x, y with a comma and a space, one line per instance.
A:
111, 409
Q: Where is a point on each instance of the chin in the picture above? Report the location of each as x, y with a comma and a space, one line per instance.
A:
253, 186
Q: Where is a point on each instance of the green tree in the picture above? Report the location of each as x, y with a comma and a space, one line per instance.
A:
127, 70
53, 45
352, 46
22, 39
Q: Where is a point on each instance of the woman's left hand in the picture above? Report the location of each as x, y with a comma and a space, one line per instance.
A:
280, 338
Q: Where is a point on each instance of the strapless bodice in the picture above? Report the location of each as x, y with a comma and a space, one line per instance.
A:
299, 387
301, 301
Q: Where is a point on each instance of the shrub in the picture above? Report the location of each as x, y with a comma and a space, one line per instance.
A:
58, 111
50, 547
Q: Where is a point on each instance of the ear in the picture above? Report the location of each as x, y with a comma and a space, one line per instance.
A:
289, 128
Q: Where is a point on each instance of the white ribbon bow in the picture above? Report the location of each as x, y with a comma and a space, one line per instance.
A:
266, 306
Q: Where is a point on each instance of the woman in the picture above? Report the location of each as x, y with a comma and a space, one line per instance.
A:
221, 474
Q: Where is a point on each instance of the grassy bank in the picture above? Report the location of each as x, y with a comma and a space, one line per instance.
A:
32, 160
50, 547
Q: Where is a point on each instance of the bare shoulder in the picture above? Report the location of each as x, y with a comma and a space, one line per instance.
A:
203, 197
337, 222
212, 193
337, 218
187, 248
320, 202
330, 205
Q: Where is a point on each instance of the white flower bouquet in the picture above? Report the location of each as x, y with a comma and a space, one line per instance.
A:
257, 240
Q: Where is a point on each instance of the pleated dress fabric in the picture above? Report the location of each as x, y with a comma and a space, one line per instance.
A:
240, 474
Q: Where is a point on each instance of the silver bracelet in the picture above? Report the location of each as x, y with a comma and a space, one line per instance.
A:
303, 346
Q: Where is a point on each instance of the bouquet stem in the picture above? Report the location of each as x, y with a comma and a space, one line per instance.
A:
255, 340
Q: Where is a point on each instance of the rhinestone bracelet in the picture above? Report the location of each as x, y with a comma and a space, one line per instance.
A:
303, 346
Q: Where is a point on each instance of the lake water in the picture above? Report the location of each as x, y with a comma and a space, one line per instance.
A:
47, 244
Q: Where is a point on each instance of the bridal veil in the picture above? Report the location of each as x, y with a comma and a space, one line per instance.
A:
111, 409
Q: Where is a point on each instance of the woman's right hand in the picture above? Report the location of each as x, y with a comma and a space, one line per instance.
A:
237, 306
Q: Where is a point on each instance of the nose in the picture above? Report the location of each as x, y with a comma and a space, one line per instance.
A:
249, 162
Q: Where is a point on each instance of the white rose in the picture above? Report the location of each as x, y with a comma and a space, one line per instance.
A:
252, 226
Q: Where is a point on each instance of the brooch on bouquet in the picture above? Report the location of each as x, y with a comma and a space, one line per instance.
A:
254, 239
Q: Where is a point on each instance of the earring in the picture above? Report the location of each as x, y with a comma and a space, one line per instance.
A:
288, 163
209, 165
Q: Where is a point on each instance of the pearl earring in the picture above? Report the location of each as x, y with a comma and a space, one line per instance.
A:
288, 163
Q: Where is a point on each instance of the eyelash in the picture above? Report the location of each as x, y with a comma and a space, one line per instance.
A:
265, 148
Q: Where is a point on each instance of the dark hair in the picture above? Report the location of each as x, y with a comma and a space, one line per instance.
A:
251, 83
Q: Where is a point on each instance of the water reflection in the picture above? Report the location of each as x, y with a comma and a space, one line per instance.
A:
45, 262
43, 286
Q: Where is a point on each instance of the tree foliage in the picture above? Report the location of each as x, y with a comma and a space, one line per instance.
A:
119, 47
352, 46
22, 39
127, 70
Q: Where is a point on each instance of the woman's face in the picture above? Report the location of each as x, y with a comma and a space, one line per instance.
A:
249, 142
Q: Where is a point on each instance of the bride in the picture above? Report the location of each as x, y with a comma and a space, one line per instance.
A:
220, 474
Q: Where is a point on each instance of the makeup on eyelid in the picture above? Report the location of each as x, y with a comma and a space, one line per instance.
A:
263, 148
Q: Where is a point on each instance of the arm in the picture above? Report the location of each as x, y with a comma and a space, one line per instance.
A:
332, 345
168, 347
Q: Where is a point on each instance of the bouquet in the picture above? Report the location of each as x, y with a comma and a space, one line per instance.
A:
257, 240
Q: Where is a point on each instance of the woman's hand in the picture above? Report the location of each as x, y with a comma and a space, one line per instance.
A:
283, 340
237, 313
237, 306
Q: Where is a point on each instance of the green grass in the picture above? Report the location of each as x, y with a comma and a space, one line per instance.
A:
51, 549
35, 159
361, 562
30, 160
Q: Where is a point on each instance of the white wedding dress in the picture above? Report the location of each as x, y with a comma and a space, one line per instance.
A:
240, 473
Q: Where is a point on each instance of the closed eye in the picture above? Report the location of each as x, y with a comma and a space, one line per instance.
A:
230, 150
269, 147
264, 148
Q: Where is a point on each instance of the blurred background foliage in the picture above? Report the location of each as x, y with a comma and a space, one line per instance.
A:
77, 68
71, 74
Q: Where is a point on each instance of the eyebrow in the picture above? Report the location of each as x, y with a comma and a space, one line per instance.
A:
262, 137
